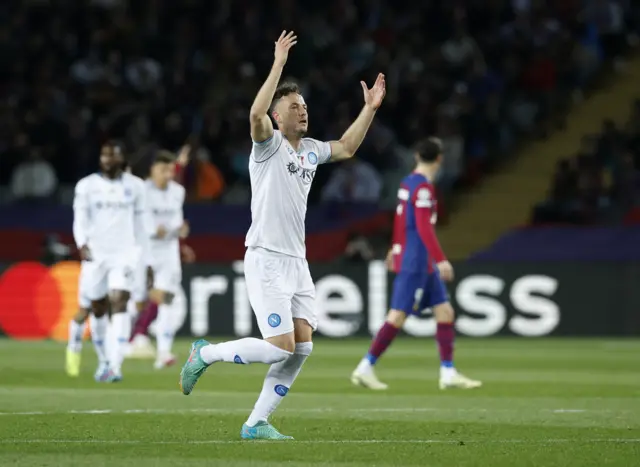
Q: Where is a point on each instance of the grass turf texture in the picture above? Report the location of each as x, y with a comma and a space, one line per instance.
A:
545, 402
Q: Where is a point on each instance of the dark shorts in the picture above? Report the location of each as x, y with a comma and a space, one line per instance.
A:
414, 292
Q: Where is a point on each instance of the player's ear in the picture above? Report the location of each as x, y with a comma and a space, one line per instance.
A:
275, 116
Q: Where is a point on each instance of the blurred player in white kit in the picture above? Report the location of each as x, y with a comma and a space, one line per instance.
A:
110, 231
165, 200
282, 166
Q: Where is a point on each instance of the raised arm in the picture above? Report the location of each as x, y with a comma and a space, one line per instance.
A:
351, 140
261, 126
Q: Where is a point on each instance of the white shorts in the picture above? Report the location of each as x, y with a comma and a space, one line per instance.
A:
280, 289
167, 276
116, 272
84, 301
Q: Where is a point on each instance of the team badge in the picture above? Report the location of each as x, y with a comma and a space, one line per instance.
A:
238, 360
312, 158
281, 390
274, 320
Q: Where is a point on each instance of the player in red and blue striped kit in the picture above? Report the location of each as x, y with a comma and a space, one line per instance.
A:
421, 269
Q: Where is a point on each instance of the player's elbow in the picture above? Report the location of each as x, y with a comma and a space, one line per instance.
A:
346, 151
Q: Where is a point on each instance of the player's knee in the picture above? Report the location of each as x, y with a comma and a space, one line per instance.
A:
444, 313
118, 301
285, 342
81, 315
302, 330
99, 308
396, 318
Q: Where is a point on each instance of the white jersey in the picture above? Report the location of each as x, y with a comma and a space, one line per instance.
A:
165, 209
108, 215
280, 182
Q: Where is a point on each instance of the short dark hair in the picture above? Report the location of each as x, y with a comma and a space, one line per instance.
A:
283, 90
115, 145
164, 157
429, 149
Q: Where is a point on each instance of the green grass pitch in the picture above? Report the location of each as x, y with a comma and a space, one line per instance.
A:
547, 402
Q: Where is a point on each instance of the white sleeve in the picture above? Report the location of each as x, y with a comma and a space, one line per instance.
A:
323, 151
264, 150
81, 215
178, 220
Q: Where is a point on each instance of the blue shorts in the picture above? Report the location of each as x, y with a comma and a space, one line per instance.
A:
413, 292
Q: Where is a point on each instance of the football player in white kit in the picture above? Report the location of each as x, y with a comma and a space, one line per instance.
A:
282, 166
165, 200
110, 232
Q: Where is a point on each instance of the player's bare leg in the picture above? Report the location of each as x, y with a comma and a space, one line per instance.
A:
74, 343
164, 328
121, 331
364, 374
445, 335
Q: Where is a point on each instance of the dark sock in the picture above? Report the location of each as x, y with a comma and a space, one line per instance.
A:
382, 341
146, 318
445, 335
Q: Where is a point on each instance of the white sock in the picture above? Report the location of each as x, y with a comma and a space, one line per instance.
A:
99, 337
76, 331
121, 328
164, 330
247, 350
276, 385
446, 373
364, 367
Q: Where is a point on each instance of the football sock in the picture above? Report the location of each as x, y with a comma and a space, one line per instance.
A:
76, 331
99, 336
243, 351
147, 317
445, 335
121, 328
164, 330
381, 342
277, 383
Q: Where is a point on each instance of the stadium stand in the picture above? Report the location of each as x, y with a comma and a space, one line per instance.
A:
483, 75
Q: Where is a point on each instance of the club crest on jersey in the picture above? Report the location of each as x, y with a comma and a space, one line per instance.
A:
312, 158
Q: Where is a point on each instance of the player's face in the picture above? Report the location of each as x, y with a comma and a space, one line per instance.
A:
162, 173
291, 115
111, 160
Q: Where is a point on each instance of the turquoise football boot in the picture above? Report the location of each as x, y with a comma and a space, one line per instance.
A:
193, 368
262, 430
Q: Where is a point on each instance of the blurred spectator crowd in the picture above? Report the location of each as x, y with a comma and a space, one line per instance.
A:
159, 73
600, 184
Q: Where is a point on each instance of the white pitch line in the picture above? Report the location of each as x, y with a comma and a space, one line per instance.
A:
210, 410
326, 441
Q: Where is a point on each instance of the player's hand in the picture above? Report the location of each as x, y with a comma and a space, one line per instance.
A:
446, 271
389, 260
183, 155
85, 253
283, 45
184, 230
373, 97
149, 277
161, 232
187, 253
